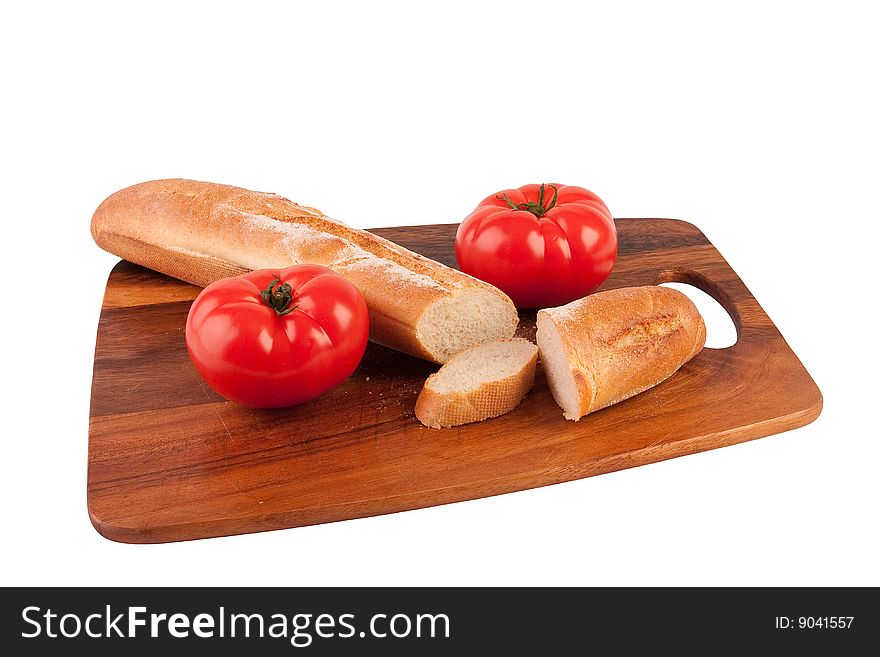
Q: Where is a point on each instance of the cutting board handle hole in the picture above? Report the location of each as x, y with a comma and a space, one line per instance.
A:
720, 327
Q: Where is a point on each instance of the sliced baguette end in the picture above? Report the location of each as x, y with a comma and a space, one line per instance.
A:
612, 345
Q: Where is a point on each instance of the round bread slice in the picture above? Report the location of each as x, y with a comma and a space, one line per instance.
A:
478, 383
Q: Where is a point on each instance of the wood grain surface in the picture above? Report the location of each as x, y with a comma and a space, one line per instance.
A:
170, 460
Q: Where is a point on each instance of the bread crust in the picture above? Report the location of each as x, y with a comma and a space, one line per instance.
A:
490, 399
200, 232
622, 342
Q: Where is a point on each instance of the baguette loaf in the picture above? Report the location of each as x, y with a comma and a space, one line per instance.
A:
604, 348
481, 382
200, 232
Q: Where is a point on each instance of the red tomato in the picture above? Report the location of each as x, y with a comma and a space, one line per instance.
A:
543, 245
274, 337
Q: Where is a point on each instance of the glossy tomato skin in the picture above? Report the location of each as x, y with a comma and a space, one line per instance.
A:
539, 261
249, 353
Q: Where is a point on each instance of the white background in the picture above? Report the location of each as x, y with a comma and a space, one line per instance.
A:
759, 123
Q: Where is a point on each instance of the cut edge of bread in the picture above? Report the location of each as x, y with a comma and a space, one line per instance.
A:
557, 368
465, 319
479, 383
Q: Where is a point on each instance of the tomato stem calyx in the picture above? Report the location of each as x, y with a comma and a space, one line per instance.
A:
538, 208
278, 296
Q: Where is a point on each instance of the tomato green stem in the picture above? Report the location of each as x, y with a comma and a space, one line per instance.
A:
279, 297
509, 202
538, 208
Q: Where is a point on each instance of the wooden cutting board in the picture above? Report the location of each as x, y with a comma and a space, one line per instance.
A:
170, 460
